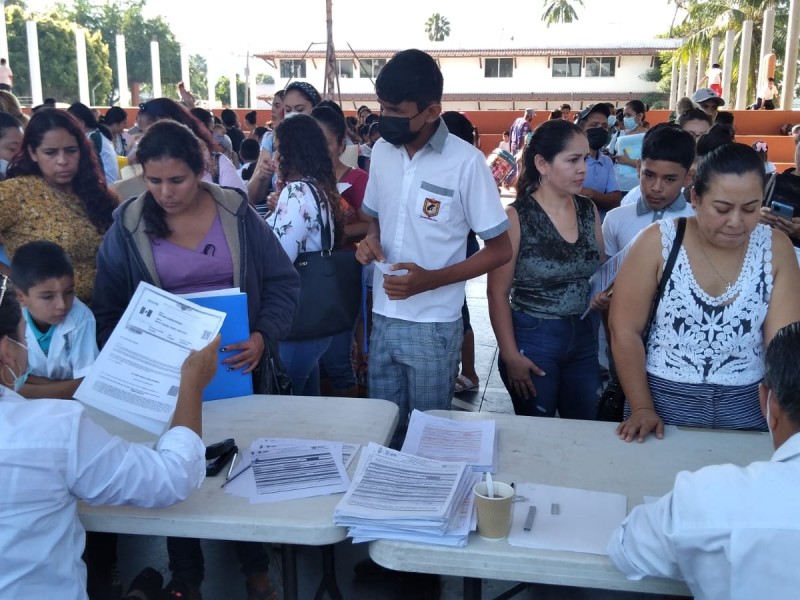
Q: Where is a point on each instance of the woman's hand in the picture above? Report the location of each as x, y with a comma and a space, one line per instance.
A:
641, 422
200, 366
790, 228
249, 354
518, 370
600, 302
272, 201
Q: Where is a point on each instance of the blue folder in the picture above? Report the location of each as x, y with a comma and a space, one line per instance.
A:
235, 328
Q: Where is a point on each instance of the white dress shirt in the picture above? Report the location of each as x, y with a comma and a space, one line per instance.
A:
51, 456
426, 206
732, 533
73, 347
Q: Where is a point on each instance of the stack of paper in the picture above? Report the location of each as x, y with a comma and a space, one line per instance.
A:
286, 469
403, 497
472, 442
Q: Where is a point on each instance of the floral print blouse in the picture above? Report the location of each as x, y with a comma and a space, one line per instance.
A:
31, 210
297, 220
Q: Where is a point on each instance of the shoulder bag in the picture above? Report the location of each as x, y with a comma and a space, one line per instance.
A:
611, 405
330, 286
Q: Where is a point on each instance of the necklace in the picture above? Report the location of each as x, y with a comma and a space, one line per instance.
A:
728, 283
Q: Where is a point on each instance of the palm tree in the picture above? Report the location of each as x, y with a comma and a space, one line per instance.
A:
560, 11
437, 27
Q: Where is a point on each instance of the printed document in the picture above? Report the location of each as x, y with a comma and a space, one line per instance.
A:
440, 438
137, 374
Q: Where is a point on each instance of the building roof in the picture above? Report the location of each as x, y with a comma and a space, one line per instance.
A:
624, 49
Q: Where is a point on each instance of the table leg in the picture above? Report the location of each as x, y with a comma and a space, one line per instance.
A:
328, 583
472, 588
517, 589
289, 559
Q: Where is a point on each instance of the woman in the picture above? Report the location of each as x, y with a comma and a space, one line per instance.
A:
186, 235
54, 456
115, 120
729, 292
263, 177
627, 147
557, 245
55, 192
102, 145
308, 202
10, 141
790, 227
299, 97
336, 365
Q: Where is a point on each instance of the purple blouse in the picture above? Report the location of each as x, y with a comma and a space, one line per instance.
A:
205, 268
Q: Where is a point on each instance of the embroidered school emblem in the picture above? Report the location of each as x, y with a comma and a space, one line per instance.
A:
431, 207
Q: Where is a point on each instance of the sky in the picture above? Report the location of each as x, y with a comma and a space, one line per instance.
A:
224, 31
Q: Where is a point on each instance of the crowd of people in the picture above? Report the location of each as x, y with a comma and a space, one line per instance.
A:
191, 202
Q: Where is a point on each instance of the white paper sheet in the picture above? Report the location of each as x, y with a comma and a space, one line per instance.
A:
584, 523
439, 438
136, 376
386, 269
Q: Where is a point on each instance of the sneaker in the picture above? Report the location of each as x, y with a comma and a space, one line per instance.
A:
177, 589
146, 585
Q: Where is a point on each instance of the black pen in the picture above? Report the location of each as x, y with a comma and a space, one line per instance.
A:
227, 481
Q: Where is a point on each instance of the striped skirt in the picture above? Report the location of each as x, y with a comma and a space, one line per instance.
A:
706, 404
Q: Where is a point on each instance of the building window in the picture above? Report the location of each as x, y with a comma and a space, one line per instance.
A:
567, 67
370, 67
293, 68
498, 67
344, 68
602, 66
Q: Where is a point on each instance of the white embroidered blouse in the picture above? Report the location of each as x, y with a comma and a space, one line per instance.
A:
697, 338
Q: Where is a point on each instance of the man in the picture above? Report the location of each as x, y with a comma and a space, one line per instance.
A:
714, 78
709, 101
427, 188
520, 129
600, 184
566, 111
767, 95
730, 532
231, 122
6, 76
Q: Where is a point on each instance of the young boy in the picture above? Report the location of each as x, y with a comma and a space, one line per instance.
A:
427, 189
60, 334
667, 157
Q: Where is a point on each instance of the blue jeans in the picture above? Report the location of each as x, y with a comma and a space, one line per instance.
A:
566, 350
301, 360
336, 364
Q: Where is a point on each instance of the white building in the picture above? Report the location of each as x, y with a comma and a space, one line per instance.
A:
494, 78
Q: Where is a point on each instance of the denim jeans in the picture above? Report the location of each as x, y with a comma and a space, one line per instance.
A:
301, 360
336, 364
566, 350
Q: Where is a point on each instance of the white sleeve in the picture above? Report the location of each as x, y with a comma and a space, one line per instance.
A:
83, 350
642, 545
228, 176
109, 159
106, 469
482, 205
610, 234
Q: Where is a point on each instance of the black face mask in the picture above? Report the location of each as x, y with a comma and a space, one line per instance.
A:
397, 130
598, 137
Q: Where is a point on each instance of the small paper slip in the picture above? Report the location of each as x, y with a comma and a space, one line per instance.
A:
449, 440
288, 469
386, 269
137, 374
583, 522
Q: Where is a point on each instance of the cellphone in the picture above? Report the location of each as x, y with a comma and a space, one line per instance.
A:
780, 209
216, 465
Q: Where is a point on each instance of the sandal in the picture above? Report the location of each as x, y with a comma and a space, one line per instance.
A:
465, 384
259, 587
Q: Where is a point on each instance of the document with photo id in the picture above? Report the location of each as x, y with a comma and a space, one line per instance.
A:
136, 376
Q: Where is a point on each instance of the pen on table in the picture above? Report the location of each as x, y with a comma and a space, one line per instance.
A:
230, 469
227, 481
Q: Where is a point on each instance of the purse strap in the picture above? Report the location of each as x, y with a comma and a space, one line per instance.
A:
665, 275
327, 237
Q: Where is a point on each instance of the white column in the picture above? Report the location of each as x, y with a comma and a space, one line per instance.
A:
691, 76
713, 55
33, 63
234, 98
83, 69
701, 69
185, 73
155, 61
251, 84
744, 65
727, 65
767, 36
673, 87
122, 72
790, 74
3, 34
681, 92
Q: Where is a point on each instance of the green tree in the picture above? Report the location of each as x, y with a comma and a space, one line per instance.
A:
59, 66
437, 27
223, 90
265, 79
198, 76
560, 11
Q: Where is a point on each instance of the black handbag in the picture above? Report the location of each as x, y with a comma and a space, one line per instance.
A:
611, 405
330, 287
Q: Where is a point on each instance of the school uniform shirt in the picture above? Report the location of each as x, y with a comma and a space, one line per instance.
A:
730, 532
624, 223
51, 456
600, 175
426, 206
73, 346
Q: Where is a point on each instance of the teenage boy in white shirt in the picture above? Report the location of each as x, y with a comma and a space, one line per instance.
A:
427, 189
